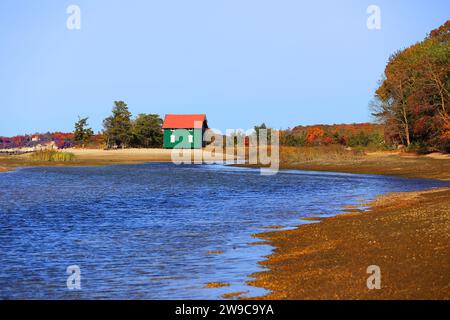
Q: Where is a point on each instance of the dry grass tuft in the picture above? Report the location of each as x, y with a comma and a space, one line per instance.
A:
52, 155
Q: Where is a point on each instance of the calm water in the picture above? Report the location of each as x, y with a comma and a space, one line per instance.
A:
144, 231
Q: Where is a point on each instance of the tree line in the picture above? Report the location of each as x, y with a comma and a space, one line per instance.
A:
412, 98
411, 103
121, 131
348, 135
61, 140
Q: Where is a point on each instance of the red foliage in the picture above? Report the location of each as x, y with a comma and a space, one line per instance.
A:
61, 140
314, 135
336, 133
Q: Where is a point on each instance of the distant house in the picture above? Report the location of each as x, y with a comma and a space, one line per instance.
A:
184, 131
35, 138
50, 145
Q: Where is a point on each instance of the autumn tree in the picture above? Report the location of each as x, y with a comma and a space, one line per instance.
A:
117, 127
412, 99
393, 94
314, 135
82, 133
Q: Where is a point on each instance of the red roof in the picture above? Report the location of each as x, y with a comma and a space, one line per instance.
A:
184, 121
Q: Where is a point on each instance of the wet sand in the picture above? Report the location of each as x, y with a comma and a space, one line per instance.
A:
406, 234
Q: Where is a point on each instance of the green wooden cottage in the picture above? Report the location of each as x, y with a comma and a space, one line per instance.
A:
184, 131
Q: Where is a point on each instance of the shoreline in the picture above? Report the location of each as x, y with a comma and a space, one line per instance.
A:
407, 234
377, 163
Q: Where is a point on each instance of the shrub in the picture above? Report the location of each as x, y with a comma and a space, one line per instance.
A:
365, 139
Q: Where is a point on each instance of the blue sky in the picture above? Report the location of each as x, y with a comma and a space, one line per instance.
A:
242, 62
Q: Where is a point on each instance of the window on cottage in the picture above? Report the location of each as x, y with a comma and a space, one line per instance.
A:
172, 138
191, 138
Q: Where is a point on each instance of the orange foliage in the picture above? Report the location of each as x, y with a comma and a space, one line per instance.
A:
314, 135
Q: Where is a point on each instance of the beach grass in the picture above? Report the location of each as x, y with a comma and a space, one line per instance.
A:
52, 156
319, 153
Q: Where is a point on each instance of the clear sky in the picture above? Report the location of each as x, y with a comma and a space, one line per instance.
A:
242, 62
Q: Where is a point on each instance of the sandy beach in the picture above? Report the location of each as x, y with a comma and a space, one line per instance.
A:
405, 234
100, 157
